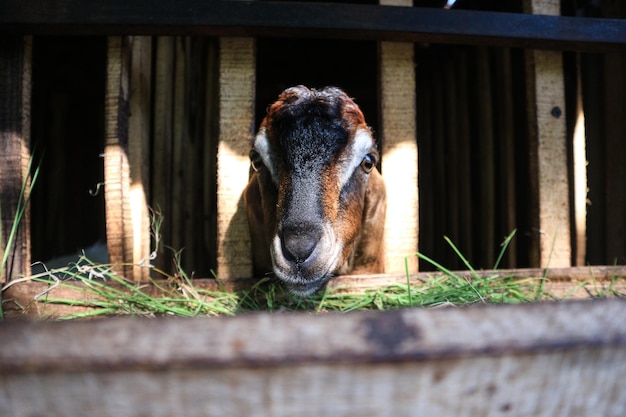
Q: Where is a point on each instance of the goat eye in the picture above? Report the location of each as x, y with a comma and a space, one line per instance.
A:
255, 160
368, 163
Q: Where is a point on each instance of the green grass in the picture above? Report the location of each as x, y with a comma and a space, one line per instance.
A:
104, 293
177, 295
22, 203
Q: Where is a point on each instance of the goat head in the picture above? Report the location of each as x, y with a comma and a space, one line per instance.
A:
315, 201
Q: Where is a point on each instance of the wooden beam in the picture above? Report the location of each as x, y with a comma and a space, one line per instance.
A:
282, 18
180, 149
119, 227
139, 133
237, 74
15, 101
161, 172
504, 126
486, 145
615, 125
480, 361
550, 214
399, 151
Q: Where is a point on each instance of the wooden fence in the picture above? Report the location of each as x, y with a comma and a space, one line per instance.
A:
486, 96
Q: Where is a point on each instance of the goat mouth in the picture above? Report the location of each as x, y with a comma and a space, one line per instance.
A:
306, 288
304, 278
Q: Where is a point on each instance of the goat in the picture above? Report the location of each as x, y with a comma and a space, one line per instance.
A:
315, 201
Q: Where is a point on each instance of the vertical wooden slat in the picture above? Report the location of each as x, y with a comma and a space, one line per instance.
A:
425, 126
190, 138
550, 241
486, 151
466, 213
579, 162
119, 226
399, 161
180, 145
593, 85
438, 161
209, 169
236, 109
503, 119
452, 208
161, 179
15, 101
139, 151
615, 122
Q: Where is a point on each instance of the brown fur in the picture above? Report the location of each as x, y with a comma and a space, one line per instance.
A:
358, 221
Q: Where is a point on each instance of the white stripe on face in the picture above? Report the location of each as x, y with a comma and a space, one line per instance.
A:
262, 146
354, 154
352, 158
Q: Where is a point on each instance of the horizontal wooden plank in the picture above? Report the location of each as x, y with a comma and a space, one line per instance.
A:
267, 339
584, 382
464, 361
314, 20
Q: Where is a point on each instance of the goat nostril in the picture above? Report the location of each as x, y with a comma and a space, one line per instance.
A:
298, 245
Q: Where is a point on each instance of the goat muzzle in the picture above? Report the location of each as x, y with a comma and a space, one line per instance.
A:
299, 242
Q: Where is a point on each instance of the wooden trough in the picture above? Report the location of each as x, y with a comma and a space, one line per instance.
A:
547, 359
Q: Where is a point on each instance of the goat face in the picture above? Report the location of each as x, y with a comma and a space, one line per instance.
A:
315, 201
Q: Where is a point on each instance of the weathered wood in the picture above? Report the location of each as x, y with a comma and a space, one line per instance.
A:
486, 149
545, 89
184, 151
161, 173
467, 242
457, 361
615, 125
15, 101
579, 173
139, 133
209, 172
119, 227
505, 134
346, 21
236, 124
399, 150
180, 148
548, 160
452, 154
426, 142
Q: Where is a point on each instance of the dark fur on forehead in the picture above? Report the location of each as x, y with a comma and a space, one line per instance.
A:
312, 125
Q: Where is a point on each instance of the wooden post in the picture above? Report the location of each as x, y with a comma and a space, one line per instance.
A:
399, 160
236, 124
505, 128
119, 226
466, 215
615, 125
180, 145
485, 141
426, 131
161, 174
550, 237
139, 152
15, 94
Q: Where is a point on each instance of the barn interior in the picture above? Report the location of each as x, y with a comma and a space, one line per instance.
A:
474, 184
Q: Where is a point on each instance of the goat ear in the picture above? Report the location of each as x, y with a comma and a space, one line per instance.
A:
370, 251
